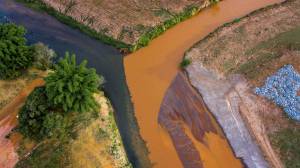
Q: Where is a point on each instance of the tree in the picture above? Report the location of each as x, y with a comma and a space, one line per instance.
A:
15, 55
39, 120
72, 86
43, 56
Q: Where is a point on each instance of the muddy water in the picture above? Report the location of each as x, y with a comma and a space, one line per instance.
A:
150, 71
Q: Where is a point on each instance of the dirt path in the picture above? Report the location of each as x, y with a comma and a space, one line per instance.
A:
8, 121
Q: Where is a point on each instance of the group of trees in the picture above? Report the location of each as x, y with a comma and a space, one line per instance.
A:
16, 56
69, 90
69, 87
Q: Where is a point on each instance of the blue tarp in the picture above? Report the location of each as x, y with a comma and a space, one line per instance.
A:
282, 88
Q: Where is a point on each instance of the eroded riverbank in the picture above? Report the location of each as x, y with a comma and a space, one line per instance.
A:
149, 71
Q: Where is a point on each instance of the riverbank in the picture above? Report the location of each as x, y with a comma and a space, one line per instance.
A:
121, 24
104, 58
255, 46
97, 144
191, 126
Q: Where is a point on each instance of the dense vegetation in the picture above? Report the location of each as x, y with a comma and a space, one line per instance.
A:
38, 120
69, 88
15, 55
72, 86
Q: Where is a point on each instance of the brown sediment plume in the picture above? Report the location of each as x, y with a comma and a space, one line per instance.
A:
192, 128
8, 121
150, 70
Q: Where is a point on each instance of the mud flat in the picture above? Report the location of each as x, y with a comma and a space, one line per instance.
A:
223, 101
150, 71
255, 47
198, 139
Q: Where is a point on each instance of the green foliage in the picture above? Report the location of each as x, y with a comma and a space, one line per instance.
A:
185, 62
15, 55
43, 56
37, 120
288, 143
72, 86
154, 32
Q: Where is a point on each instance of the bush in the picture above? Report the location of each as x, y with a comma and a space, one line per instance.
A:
15, 55
32, 114
72, 86
185, 62
43, 56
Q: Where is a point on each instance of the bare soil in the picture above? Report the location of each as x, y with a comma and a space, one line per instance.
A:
124, 20
9, 89
191, 126
227, 50
256, 47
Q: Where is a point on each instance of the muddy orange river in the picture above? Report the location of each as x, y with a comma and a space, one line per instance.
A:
150, 71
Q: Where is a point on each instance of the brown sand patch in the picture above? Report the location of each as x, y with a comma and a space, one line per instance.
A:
196, 136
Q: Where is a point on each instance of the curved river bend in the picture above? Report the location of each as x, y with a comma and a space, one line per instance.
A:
149, 71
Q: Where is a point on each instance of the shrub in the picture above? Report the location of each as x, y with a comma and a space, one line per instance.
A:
72, 86
37, 120
15, 55
43, 56
185, 62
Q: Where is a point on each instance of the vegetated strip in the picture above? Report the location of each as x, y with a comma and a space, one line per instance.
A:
238, 20
39, 5
143, 41
155, 31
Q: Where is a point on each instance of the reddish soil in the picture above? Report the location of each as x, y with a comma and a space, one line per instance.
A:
8, 120
184, 115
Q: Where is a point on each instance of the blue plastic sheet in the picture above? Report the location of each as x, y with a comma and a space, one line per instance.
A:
282, 88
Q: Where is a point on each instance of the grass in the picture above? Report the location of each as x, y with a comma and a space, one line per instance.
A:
268, 51
49, 154
41, 6
288, 143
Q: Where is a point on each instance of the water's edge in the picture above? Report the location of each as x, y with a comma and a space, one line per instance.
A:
105, 59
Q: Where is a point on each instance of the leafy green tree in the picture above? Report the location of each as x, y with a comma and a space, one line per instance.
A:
15, 55
72, 86
38, 120
43, 56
